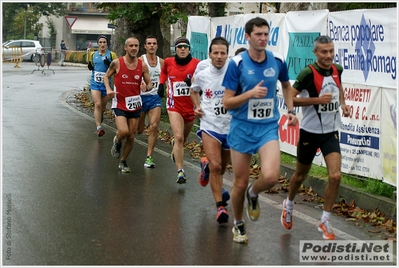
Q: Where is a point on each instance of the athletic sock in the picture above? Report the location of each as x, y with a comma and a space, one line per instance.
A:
236, 222
325, 216
251, 193
289, 204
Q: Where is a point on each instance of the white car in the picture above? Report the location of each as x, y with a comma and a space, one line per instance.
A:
29, 49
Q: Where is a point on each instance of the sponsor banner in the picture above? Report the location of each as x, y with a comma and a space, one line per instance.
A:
198, 32
301, 34
350, 251
366, 45
360, 133
232, 28
389, 134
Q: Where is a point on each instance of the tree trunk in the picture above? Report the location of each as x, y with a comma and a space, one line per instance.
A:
287, 6
216, 9
139, 29
165, 29
189, 8
297, 6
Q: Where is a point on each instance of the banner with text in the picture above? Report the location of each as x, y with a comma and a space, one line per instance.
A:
365, 45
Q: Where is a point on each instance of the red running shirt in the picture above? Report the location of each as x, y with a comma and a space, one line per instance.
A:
178, 94
127, 85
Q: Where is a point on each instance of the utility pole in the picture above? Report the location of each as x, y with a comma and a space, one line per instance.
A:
26, 9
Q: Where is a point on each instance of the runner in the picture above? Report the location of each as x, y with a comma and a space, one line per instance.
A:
151, 101
178, 72
99, 62
320, 95
215, 122
251, 98
128, 72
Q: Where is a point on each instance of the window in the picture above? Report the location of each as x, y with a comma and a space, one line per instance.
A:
27, 44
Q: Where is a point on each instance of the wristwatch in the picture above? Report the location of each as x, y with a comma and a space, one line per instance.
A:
292, 112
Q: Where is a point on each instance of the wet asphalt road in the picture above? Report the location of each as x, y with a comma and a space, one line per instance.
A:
66, 203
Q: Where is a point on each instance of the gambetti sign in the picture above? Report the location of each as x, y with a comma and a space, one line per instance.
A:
70, 20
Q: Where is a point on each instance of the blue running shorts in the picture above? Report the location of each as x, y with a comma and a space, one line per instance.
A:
102, 90
221, 138
248, 138
150, 102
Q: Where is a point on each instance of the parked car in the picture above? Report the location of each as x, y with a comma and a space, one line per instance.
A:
88, 44
29, 48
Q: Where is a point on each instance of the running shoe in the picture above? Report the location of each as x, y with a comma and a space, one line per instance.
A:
203, 177
222, 215
149, 162
240, 235
253, 209
225, 196
326, 228
100, 132
286, 216
172, 156
181, 177
123, 166
116, 148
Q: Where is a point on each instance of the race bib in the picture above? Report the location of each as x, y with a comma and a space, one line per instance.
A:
219, 110
260, 109
180, 89
133, 103
154, 82
99, 77
332, 106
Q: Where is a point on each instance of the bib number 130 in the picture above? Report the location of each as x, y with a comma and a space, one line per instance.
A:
260, 109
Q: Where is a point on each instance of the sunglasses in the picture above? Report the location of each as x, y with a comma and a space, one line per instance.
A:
181, 46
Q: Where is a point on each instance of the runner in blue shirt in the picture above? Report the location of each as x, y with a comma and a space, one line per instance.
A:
251, 98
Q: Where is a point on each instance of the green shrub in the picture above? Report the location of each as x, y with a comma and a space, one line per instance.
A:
76, 56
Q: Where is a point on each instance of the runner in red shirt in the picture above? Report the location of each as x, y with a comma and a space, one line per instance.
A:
128, 72
177, 72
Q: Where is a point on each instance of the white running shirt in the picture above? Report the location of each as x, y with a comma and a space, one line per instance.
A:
215, 118
155, 73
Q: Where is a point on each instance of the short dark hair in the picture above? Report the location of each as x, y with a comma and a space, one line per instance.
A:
322, 39
102, 36
239, 50
258, 22
148, 37
219, 40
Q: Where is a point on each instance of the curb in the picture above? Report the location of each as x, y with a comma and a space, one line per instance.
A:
347, 193
363, 200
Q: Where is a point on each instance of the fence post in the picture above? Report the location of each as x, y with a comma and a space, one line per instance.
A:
16, 56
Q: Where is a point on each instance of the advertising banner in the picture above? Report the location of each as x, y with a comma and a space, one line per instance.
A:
365, 43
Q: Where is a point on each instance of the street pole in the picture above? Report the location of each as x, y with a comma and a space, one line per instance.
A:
25, 24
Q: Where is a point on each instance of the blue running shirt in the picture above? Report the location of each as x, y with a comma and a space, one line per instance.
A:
244, 73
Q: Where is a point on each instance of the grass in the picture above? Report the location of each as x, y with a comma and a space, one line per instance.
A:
368, 185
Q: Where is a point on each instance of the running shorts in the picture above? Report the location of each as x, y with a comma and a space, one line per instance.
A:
248, 138
309, 143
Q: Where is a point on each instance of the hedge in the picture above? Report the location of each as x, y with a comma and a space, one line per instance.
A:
76, 56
